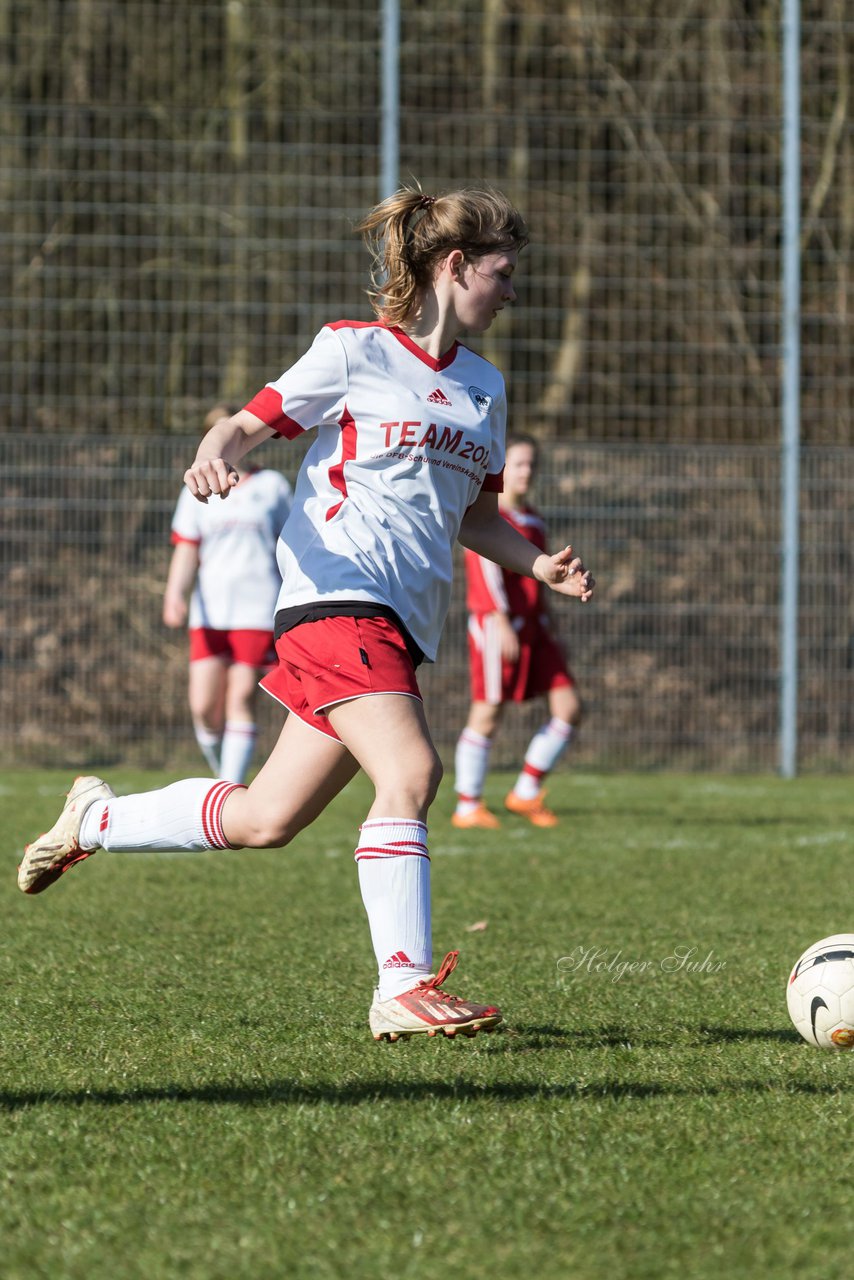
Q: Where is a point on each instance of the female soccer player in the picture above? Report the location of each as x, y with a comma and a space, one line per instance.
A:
513, 656
226, 556
408, 457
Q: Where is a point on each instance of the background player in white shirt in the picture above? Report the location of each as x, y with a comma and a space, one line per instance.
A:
225, 554
513, 656
407, 458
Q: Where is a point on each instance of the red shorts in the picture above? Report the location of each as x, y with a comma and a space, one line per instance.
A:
335, 659
254, 648
539, 668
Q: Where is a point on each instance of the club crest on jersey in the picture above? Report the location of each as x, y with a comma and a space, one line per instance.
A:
481, 401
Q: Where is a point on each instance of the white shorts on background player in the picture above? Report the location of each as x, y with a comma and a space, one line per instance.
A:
404, 444
238, 581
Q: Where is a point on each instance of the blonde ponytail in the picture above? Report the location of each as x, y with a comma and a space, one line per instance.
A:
409, 233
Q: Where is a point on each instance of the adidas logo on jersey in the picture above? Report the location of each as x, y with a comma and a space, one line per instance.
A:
400, 960
438, 397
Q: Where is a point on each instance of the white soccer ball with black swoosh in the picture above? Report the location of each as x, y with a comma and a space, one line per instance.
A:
820, 994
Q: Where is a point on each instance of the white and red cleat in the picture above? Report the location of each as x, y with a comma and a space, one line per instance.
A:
427, 1009
58, 850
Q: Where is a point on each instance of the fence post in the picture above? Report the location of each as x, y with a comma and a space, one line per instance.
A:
389, 159
790, 426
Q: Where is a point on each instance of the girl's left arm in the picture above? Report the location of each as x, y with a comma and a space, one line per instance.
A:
485, 531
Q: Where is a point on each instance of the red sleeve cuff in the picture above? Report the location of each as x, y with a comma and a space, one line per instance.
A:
267, 406
192, 542
494, 483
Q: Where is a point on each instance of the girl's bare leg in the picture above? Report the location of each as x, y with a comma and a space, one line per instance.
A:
387, 734
303, 773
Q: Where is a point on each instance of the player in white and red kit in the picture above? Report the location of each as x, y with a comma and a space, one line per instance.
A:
407, 459
224, 560
513, 656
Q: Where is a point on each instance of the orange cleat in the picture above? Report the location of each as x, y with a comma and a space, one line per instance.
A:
479, 817
534, 810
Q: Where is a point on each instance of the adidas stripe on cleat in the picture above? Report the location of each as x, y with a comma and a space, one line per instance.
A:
428, 1010
58, 850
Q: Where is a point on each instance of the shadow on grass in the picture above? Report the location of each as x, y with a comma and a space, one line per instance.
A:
288, 1093
730, 1035
524, 1039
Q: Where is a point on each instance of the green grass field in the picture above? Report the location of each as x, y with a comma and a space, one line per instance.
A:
189, 1088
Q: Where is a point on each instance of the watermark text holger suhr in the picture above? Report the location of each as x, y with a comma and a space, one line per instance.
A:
607, 963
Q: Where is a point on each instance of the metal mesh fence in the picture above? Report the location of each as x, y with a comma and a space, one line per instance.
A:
676, 658
178, 185
179, 180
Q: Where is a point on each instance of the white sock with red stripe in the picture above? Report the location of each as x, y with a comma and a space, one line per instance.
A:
471, 763
185, 815
544, 750
394, 877
238, 746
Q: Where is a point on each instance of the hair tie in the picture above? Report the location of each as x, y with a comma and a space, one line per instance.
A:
425, 202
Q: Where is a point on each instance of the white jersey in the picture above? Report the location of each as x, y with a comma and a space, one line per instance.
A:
238, 580
404, 444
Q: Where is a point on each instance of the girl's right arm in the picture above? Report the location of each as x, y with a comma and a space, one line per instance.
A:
215, 467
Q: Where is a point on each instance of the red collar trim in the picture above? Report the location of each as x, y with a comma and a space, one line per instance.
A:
413, 347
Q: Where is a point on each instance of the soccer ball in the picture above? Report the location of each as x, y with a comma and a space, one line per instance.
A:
820, 994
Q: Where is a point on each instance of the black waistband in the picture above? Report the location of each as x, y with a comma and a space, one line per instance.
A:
297, 614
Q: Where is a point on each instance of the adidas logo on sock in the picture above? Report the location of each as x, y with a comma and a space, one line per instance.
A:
438, 397
400, 960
